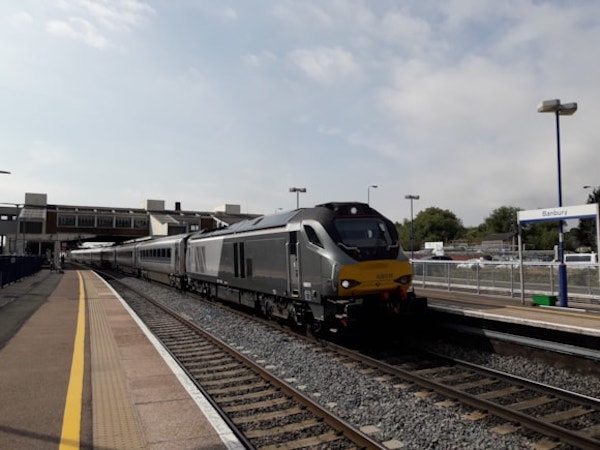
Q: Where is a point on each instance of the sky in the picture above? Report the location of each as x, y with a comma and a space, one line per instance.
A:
213, 102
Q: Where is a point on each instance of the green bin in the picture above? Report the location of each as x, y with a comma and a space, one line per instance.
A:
544, 300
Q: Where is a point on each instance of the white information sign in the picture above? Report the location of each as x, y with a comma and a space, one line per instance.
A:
559, 213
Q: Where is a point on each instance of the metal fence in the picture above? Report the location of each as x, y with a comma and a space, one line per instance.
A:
13, 268
502, 278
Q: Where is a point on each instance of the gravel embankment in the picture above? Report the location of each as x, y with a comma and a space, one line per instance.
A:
399, 414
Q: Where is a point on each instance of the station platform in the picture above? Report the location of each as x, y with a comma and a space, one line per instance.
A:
576, 319
77, 370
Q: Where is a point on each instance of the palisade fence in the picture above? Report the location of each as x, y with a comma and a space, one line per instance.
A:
504, 278
13, 268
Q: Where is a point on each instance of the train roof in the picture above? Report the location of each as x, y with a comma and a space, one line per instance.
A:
258, 223
318, 212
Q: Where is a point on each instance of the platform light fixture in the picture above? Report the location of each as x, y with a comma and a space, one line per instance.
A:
374, 186
559, 109
297, 190
412, 197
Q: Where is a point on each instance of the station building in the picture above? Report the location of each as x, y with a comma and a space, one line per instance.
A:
36, 227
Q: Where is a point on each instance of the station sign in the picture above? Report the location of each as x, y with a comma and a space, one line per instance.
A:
589, 211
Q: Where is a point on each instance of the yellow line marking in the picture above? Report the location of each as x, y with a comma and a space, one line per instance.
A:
71, 428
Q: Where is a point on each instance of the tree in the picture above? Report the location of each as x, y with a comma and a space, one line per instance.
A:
541, 235
502, 220
404, 234
585, 233
434, 225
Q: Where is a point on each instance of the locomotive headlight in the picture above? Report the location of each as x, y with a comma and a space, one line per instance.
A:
405, 279
347, 284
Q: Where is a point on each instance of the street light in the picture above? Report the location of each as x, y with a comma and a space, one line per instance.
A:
412, 197
559, 109
4, 171
297, 190
374, 186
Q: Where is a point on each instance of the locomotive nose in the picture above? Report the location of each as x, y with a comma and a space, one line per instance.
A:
371, 277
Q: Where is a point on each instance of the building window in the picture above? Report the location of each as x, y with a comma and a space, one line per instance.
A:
105, 221
123, 222
176, 229
67, 220
140, 223
86, 221
31, 227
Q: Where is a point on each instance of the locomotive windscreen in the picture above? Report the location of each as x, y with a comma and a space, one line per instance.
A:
366, 238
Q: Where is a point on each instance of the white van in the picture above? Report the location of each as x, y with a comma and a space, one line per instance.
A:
581, 258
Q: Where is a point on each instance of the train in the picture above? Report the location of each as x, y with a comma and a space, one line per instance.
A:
330, 266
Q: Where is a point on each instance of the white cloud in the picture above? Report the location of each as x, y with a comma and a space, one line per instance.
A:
77, 29
111, 14
229, 14
400, 27
20, 19
259, 59
96, 23
299, 14
452, 98
326, 65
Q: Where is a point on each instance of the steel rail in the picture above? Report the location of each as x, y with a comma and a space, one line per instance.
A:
541, 426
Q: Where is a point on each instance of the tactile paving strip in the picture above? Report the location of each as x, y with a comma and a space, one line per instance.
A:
114, 421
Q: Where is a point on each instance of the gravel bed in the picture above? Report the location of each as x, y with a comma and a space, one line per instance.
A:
414, 421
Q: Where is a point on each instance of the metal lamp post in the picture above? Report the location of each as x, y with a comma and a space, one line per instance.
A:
297, 190
559, 109
412, 197
374, 186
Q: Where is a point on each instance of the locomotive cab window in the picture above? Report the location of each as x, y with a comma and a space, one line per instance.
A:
365, 238
311, 234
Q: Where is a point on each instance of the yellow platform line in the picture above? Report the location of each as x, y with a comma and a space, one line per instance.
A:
71, 428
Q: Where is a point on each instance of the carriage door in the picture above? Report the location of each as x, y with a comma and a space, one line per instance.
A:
293, 265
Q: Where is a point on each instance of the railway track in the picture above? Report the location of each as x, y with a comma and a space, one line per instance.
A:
556, 415
263, 410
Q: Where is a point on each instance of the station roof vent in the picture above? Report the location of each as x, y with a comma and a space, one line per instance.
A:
155, 205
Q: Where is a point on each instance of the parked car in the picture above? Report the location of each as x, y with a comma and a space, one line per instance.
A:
470, 263
441, 258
